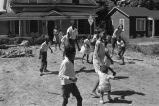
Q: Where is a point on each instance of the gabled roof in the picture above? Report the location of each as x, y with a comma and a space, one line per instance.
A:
131, 11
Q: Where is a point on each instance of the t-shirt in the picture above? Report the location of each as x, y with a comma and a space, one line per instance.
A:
44, 47
65, 40
120, 44
66, 71
99, 52
73, 32
87, 43
104, 78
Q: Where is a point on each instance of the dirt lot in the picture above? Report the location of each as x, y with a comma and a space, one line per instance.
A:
21, 84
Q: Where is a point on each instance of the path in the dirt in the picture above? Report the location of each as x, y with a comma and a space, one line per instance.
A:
21, 84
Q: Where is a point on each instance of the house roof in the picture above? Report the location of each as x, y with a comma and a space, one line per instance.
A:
51, 15
22, 2
135, 11
131, 11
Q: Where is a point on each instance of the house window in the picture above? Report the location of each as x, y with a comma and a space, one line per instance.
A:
140, 24
16, 27
33, 26
75, 1
121, 22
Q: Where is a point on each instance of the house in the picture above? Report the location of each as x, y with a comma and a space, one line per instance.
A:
33, 18
137, 21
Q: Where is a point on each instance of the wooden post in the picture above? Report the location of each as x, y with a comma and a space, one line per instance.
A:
153, 28
19, 28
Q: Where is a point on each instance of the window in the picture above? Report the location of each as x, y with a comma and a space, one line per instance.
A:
33, 26
16, 27
75, 1
121, 22
140, 24
33, 1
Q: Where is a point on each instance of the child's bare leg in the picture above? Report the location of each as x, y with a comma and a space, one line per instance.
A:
95, 87
87, 58
109, 97
101, 97
83, 57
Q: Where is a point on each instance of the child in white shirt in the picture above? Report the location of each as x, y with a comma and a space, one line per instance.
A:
68, 78
104, 83
43, 55
86, 48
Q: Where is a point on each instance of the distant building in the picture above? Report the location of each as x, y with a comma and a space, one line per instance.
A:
29, 18
137, 21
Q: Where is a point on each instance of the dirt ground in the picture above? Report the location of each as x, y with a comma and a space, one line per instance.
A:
21, 84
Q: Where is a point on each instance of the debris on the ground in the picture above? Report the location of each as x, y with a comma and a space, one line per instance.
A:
24, 43
19, 51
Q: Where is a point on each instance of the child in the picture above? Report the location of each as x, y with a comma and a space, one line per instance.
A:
121, 49
43, 55
85, 49
104, 83
60, 35
68, 78
107, 59
65, 42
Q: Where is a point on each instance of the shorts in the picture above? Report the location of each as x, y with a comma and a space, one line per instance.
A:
70, 88
104, 88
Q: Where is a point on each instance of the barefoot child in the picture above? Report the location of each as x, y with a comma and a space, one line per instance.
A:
68, 78
43, 55
104, 83
85, 49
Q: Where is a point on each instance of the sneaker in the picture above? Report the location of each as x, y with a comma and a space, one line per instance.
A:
101, 101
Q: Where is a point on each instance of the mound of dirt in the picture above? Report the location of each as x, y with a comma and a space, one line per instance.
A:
19, 51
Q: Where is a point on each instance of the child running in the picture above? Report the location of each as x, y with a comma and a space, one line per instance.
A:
68, 78
121, 49
86, 48
43, 55
104, 83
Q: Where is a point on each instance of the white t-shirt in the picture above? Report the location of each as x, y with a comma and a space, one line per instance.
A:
104, 78
73, 32
44, 47
65, 40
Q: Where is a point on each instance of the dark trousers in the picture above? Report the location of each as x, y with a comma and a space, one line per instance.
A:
43, 61
76, 42
71, 89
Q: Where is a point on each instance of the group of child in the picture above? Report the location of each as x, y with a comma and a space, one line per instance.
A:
67, 73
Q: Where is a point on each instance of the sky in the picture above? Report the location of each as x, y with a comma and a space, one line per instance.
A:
1, 5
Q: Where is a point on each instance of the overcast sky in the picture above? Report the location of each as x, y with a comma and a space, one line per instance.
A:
1, 4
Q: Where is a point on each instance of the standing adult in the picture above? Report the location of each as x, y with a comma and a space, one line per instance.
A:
116, 34
73, 33
98, 59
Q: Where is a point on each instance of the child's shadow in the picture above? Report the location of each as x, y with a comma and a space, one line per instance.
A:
83, 69
121, 77
119, 100
50, 72
123, 94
